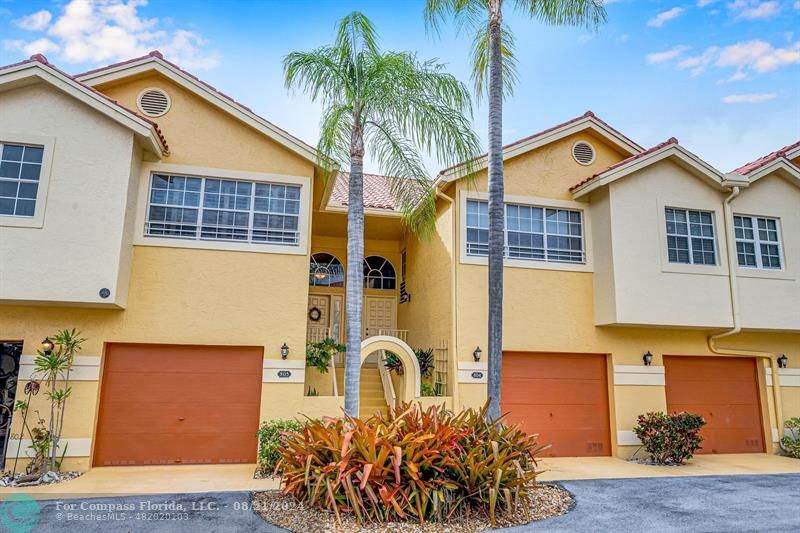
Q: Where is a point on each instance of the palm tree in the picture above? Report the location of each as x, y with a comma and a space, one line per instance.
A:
388, 106
493, 71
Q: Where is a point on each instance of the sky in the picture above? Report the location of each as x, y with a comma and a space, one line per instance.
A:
723, 76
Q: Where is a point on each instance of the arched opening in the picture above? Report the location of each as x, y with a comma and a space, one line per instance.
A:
325, 270
379, 273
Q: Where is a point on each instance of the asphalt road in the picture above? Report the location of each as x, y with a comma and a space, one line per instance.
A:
698, 504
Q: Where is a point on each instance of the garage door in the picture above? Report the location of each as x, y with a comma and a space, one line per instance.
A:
725, 391
563, 397
167, 404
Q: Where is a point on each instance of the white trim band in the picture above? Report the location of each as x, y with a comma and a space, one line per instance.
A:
74, 448
85, 368
472, 372
639, 375
283, 371
790, 377
627, 438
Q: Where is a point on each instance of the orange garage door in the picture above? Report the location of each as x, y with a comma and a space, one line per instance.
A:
725, 391
563, 397
167, 404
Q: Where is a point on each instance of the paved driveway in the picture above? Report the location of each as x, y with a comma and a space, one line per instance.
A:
708, 504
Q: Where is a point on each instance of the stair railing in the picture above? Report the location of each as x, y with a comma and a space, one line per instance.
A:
386, 381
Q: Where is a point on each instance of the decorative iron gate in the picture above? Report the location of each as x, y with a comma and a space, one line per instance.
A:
9, 372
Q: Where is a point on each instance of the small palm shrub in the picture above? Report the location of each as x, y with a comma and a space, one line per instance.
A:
412, 464
790, 443
269, 435
670, 438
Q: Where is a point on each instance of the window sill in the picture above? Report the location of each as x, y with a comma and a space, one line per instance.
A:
702, 270
10, 221
142, 240
760, 273
534, 265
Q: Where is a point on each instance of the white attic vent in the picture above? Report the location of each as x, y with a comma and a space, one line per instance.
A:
153, 102
583, 153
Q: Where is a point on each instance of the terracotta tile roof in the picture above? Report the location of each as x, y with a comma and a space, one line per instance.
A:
39, 58
378, 192
744, 170
159, 55
553, 128
671, 140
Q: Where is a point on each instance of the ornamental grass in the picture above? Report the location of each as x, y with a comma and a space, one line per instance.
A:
412, 464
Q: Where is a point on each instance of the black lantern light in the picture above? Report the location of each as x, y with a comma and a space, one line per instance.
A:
477, 354
47, 346
284, 351
783, 361
647, 358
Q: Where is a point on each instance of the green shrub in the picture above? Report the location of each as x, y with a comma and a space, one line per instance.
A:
790, 443
269, 435
426, 389
319, 354
412, 464
393, 363
670, 438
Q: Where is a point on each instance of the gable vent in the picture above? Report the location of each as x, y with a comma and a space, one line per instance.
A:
583, 153
153, 102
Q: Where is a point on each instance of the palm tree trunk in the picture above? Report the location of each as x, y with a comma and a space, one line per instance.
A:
355, 271
496, 210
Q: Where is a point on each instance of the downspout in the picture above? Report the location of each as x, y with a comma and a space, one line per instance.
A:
452, 354
730, 247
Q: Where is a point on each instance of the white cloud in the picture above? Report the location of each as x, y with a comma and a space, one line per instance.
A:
35, 21
665, 16
697, 64
704, 3
666, 55
797, 4
96, 31
754, 9
747, 57
752, 98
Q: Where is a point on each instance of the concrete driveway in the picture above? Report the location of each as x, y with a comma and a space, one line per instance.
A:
708, 503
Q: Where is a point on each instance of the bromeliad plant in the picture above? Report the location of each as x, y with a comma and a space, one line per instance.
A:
393, 363
413, 464
670, 438
425, 360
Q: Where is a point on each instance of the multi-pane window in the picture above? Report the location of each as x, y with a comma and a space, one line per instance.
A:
20, 170
690, 237
534, 233
758, 242
223, 210
379, 273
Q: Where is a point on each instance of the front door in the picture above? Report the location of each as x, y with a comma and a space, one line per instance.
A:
380, 315
318, 317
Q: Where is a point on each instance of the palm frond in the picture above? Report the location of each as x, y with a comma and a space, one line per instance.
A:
588, 13
468, 15
316, 73
480, 61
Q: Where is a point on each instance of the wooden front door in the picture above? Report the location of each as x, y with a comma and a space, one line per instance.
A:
319, 305
562, 397
178, 404
724, 390
380, 313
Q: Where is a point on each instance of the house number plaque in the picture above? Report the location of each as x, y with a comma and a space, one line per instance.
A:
477, 375
284, 373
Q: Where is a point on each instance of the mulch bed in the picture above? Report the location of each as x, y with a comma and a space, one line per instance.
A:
544, 502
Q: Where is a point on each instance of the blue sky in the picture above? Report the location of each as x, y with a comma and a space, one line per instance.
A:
722, 76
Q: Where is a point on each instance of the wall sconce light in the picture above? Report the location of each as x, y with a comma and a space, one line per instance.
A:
477, 354
284, 351
647, 358
783, 361
47, 346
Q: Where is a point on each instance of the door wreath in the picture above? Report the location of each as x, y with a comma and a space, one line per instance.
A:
314, 314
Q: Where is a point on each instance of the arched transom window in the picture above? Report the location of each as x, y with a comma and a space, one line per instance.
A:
378, 273
325, 270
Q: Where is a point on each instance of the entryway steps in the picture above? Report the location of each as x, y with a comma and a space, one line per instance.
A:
371, 397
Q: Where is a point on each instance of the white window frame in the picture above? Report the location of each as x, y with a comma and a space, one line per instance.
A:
756, 241
689, 236
48, 144
304, 216
533, 201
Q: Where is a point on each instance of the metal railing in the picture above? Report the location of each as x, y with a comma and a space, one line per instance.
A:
317, 333
386, 381
401, 334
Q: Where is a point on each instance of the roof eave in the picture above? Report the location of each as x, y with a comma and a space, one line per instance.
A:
167, 69
781, 166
